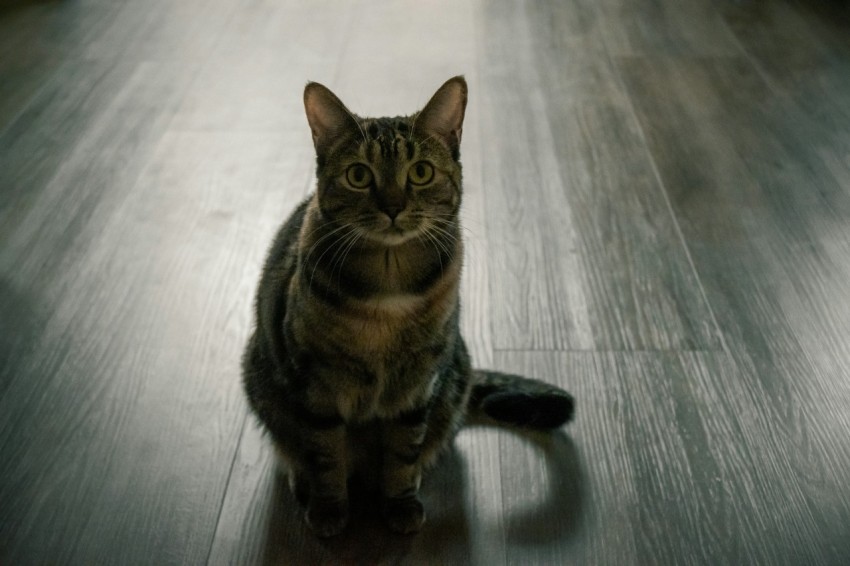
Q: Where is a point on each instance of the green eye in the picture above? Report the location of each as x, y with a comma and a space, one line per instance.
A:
358, 176
420, 173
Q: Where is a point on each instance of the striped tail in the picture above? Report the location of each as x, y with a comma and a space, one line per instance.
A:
519, 401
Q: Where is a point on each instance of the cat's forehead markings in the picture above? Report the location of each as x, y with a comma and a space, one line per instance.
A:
369, 151
387, 138
377, 128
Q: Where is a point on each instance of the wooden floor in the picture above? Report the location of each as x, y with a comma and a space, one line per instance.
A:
657, 203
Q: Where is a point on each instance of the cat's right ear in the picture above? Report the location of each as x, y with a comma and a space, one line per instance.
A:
327, 115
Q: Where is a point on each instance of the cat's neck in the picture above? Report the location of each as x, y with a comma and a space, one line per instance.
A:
364, 268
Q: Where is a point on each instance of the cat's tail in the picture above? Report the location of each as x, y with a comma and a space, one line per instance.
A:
519, 401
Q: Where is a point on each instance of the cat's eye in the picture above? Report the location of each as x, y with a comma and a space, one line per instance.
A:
420, 173
359, 176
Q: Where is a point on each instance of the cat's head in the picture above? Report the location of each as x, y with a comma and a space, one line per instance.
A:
391, 179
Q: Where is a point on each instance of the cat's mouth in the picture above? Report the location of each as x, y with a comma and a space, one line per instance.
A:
392, 232
393, 235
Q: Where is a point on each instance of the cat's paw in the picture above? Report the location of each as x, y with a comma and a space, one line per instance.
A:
327, 517
405, 515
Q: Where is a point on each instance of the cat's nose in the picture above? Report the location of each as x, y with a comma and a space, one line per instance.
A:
392, 211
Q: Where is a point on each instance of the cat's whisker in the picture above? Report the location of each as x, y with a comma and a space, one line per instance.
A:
330, 247
442, 245
346, 254
432, 136
434, 244
451, 237
345, 248
322, 239
326, 223
428, 240
413, 126
442, 219
446, 218
458, 219
332, 232
450, 223
342, 241
340, 246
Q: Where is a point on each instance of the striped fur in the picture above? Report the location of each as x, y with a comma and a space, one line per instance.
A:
357, 363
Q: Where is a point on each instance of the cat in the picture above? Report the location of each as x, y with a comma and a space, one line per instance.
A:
356, 364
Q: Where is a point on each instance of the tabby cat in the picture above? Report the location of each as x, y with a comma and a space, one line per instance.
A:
357, 364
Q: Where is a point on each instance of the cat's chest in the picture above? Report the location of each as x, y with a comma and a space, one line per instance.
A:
382, 326
391, 307
382, 360
385, 395
378, 324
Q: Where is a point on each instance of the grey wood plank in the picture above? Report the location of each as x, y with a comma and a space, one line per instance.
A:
19, 84
679, 29
801, 51
787, 40
531, 277
136, 368
599, 263
256, 74
476, 304
678, 460
65, 170
85, 138
766, 194
47, 33
148, 151
163, 31
765, 222
47, 132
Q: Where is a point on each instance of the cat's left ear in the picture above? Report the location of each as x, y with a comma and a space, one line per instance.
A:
327, 115
442, 117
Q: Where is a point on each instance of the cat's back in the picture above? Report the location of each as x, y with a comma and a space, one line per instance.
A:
283, 253
278, 270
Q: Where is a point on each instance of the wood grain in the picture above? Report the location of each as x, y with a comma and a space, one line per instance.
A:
677, 29
680, 462
590, 210
138, 366
779, 297
656, 203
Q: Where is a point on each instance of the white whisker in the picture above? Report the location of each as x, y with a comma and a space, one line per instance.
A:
442, 245
337, 241
435, 243
346, 248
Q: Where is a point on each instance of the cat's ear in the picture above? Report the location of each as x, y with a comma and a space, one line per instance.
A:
442, 117
327, 115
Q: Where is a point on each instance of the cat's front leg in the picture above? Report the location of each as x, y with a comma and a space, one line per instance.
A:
327, 474
402, 440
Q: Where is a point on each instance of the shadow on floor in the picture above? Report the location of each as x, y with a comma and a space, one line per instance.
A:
558, 516
448, 534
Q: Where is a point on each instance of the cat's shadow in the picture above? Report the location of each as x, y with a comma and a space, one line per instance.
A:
558, 515
448, 533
